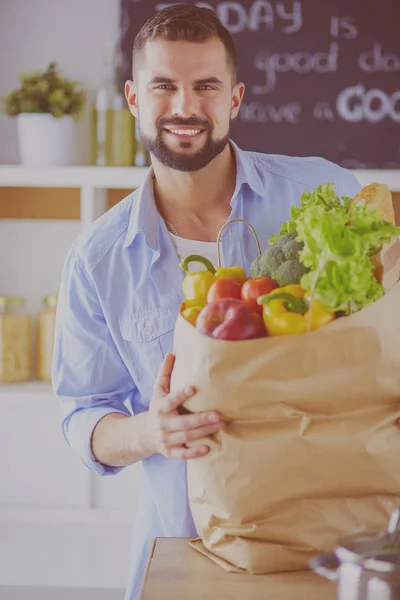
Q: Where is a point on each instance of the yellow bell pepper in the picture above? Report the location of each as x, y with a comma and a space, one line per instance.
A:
191, 314
236, 273
286, 311
196, 284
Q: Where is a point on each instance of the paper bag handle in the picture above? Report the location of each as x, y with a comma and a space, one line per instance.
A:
321, 565
219, 237
393, 528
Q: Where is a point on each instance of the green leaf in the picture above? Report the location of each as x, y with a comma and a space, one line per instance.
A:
337, 247
323, 196
46, 92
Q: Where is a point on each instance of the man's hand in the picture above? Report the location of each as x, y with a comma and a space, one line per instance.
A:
168, 431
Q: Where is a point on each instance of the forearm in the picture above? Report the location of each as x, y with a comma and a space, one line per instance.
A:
119, 440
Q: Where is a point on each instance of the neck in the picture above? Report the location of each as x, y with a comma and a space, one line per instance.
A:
197, 204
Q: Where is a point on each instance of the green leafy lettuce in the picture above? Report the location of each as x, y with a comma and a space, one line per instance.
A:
338, 243
324, 196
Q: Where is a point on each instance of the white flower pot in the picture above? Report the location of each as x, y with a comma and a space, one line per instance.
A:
44, 140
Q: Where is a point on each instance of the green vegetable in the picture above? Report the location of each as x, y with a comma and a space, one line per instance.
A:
46, 92
266, 264
290, 246
337, 247
280, 261
324, 196
290, 271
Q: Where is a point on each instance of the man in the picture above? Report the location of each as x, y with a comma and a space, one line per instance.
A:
121, 285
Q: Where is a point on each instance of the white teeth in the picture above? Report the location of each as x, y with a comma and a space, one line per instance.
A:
185, 131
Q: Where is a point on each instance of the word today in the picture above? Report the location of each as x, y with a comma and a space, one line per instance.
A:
260, 15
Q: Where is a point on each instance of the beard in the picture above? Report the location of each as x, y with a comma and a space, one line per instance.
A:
179, 161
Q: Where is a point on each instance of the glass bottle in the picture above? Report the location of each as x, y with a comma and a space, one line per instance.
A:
122, 134
45, 337
102, 109
142, 157
15, 340
112, 136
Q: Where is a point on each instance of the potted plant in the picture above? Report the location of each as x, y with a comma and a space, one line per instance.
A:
46, 106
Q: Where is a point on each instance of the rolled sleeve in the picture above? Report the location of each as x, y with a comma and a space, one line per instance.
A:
88, 374
78, 429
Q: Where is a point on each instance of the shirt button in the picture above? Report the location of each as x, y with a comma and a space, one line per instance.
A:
146, 330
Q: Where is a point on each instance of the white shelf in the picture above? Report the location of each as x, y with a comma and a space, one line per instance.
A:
48, 514
29, 391
389, 176
130, 177
79, 177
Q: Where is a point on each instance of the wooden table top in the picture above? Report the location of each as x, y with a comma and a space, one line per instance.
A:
178, 572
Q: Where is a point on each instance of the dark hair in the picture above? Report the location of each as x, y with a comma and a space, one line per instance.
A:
189, 23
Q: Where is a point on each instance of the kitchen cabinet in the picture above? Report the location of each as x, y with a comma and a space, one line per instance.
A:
40, 474
40, 470
26, 592
90, 187
175, 570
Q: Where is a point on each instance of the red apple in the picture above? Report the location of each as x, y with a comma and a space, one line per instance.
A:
230, 319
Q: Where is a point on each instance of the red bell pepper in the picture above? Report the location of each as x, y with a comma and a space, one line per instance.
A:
224, 288
253, 288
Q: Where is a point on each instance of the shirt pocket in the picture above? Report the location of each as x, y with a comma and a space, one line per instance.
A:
147, 336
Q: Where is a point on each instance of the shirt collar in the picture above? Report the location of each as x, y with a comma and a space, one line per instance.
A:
246, 171
144, 217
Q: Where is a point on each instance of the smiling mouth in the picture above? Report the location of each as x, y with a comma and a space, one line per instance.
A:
184, 133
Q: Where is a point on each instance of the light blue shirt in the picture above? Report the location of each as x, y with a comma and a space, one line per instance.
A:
118, 301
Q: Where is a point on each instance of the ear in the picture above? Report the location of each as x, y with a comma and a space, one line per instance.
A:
131, 97
237, 97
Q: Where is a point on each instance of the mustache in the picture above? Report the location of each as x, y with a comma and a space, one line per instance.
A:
190, 122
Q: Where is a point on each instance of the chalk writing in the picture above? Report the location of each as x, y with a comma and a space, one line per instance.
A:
298, 62
255, 112
375, 60
343, 27
261, 15
355, 104
323, 111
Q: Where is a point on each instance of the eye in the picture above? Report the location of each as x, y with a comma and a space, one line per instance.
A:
165, 86
206, 87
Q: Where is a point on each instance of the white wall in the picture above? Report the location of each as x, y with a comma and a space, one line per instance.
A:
40, 474
32, 254
35, 32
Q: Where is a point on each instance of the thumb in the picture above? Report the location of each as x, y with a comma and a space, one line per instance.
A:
163, 381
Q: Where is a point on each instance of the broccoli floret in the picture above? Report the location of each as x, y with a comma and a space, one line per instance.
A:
290, 247
280, 242
280, 261
290, 271
268, 262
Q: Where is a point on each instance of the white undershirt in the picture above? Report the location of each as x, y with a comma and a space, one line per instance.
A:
185, 247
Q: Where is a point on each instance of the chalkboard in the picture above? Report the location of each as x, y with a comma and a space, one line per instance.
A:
322, 77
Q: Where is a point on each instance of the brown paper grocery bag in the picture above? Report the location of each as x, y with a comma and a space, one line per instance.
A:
310, 451
387, 264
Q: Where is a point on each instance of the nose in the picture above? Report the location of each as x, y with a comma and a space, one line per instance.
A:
184, 103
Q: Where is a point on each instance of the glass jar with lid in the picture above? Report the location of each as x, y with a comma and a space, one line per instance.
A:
15, 340
45, 337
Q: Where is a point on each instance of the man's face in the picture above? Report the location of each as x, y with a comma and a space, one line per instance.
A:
185, 99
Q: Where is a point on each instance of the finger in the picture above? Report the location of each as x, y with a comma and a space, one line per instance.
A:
187, 422
162, 383
170, 402
183, 453
183, 437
